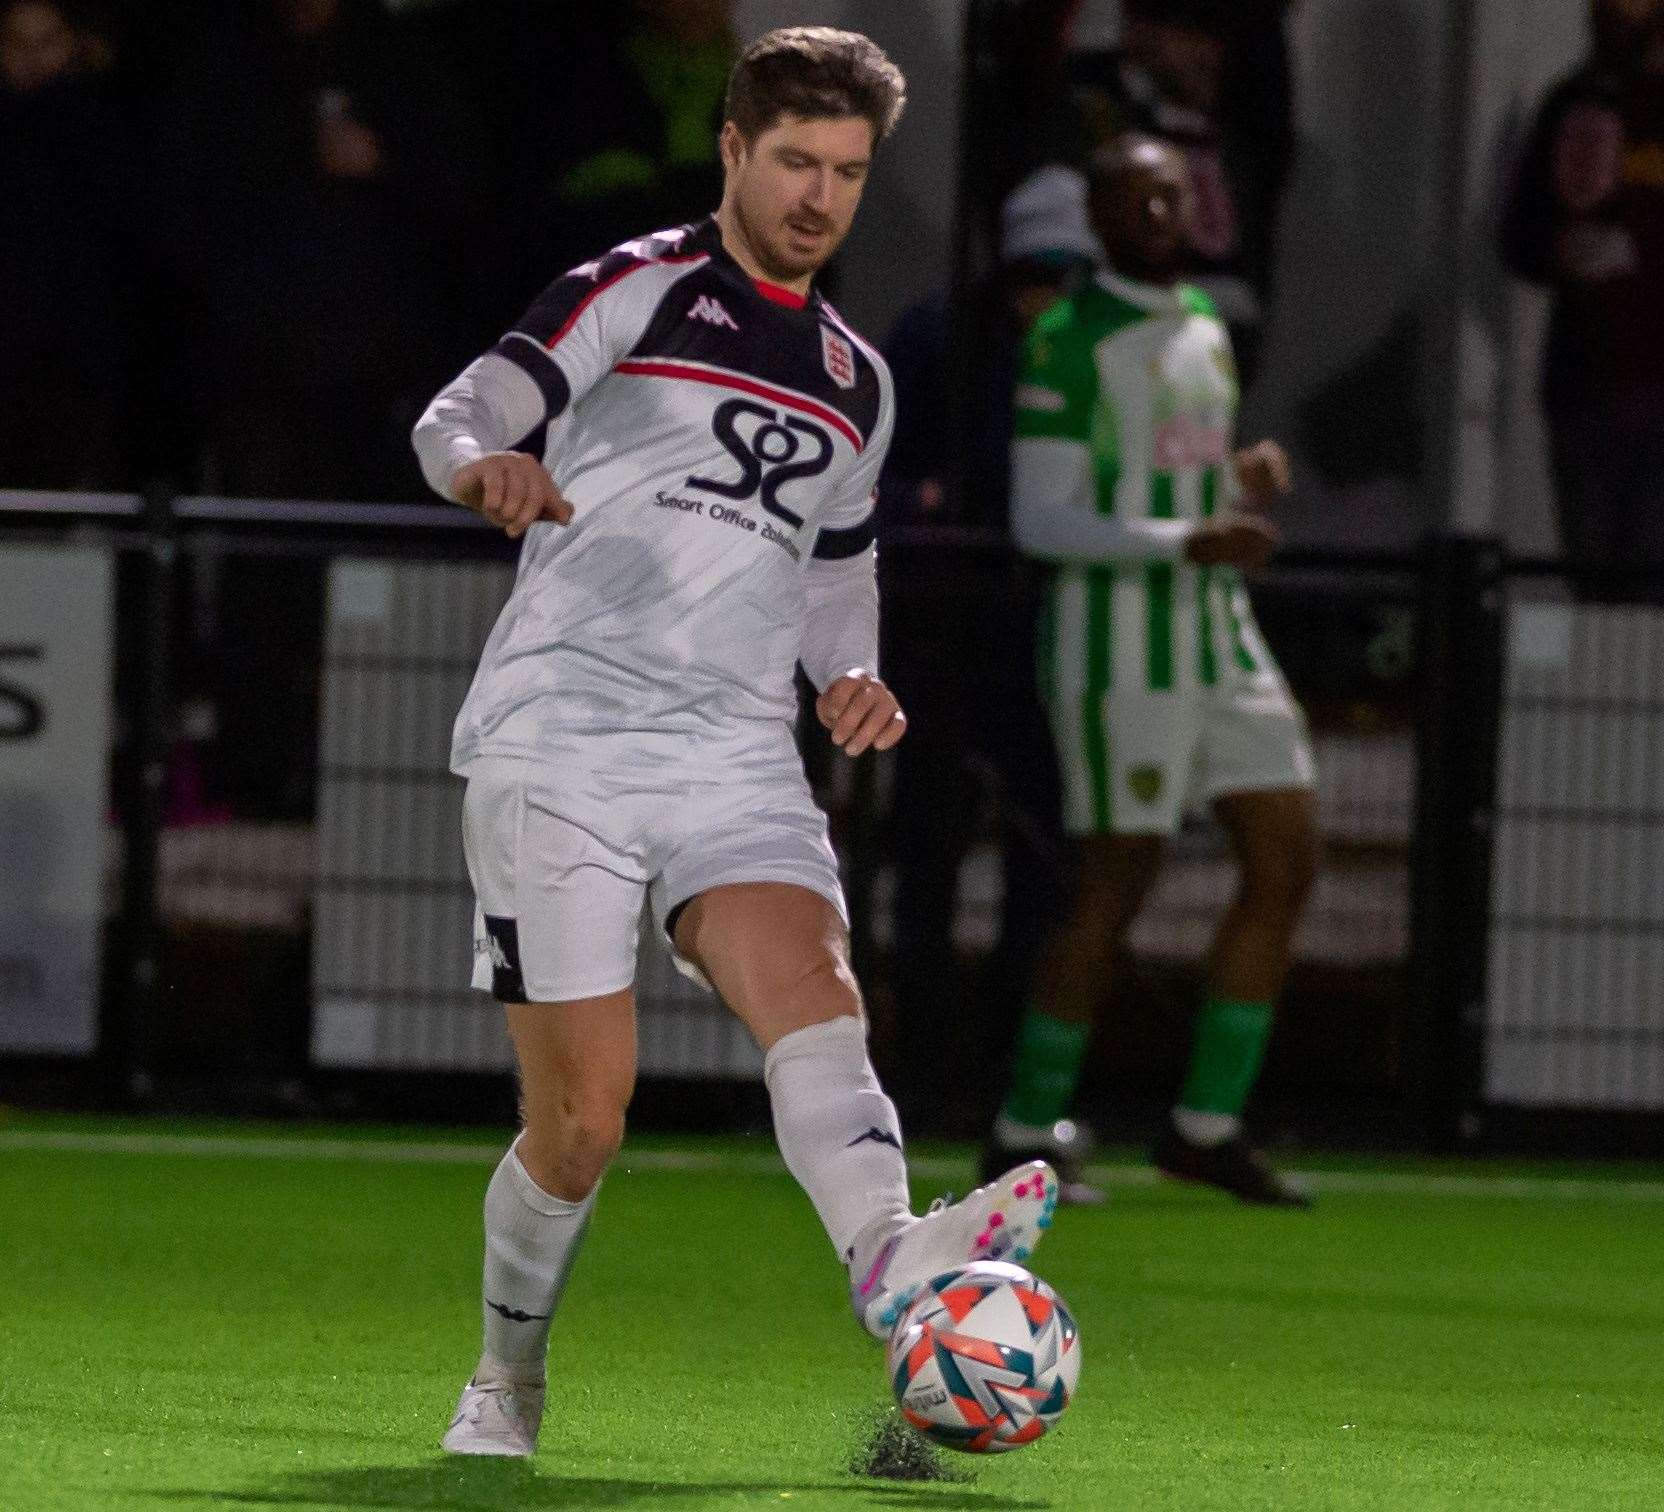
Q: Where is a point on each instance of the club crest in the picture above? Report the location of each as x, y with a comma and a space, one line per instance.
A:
840, 357
1145, 782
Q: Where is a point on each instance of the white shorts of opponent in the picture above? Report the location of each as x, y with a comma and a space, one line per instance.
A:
563, 851
1135, 762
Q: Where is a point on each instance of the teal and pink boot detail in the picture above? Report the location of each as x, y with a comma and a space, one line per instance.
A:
1004, 1220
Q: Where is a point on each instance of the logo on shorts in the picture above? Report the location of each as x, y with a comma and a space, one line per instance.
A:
501, 946
1145, 782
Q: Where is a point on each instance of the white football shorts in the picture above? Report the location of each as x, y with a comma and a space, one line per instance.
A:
1135, 762
563, 852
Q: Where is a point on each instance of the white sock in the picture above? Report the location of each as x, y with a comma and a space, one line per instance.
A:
1206, 1128
838, 1131
531, 1240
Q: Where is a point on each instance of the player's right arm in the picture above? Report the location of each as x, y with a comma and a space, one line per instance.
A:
1054, 483
465, 444
481, 441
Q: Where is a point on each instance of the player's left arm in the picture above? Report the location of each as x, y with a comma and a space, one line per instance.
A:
839, 648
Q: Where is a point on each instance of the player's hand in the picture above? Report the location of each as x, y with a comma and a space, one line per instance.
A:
861, 713
1264, 473
511, 490
1233, 540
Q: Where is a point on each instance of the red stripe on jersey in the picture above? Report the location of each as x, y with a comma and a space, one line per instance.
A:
600, 289
787, 297
746, 386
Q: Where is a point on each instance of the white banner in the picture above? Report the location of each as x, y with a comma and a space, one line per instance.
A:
55, 640
1576, 982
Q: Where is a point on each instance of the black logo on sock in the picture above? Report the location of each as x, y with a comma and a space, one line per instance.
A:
514, 1315
877, 1136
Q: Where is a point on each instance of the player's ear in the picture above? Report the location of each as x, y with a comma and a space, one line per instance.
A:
733, 146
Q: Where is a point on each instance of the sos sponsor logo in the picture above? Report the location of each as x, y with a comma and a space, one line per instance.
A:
1185, 442
771, 448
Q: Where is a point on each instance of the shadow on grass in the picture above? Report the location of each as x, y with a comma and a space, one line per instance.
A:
486, 1485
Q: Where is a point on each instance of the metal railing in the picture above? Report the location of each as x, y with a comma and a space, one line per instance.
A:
333, 933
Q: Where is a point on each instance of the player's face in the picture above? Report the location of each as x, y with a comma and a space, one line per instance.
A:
1141, 212
794, 190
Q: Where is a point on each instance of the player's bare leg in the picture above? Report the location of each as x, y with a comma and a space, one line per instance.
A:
1274, 838
1113, 875
779, 956
577, 1065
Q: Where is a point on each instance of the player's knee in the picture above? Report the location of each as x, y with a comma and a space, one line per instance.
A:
1279, 882
825, 989
1106, 897
568, 1147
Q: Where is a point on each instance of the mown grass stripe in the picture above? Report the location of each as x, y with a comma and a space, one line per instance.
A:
725, 1162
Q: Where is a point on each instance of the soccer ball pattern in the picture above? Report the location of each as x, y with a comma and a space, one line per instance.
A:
985, 1358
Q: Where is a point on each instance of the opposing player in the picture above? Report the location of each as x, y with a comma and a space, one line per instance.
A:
687, 435
1160, 690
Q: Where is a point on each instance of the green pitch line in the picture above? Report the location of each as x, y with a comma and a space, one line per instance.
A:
207, 1328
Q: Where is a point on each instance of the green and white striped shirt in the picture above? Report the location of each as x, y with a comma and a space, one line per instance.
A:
1125, 417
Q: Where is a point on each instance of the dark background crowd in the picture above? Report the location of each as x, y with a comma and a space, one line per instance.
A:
244, 241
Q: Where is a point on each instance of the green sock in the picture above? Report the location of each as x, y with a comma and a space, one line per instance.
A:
1043, 1081
1230, 1043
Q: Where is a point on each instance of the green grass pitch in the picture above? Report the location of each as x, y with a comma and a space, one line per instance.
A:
285, 1325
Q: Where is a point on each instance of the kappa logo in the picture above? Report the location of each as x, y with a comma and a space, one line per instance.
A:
877, 1136
840, 357
517, 1314
710, 309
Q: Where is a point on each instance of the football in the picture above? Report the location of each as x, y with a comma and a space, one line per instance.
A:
985, 1358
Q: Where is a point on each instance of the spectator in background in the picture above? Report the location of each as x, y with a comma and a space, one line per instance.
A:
65, 348
322, 180
1586, 218
1211, 77
960, 641
635, 144
318, 184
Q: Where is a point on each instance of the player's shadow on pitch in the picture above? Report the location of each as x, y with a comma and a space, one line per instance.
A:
485, 1485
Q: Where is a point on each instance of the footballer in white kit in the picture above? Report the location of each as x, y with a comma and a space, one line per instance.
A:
687, 435
721, 478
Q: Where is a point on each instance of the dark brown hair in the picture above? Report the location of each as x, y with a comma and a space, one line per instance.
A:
814, 72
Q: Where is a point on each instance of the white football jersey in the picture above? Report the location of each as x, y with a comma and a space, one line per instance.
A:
720, 441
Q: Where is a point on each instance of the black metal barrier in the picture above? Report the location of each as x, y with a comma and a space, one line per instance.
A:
951, 845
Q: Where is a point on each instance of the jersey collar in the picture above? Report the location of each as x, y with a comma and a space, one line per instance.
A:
1156, 298
709, 236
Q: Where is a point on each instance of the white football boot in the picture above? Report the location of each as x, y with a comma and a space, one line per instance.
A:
500, 1417
1001, 1221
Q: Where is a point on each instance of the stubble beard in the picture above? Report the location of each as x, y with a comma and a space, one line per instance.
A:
771, 256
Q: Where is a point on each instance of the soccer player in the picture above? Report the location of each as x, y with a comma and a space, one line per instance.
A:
1160, 690
687, 436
